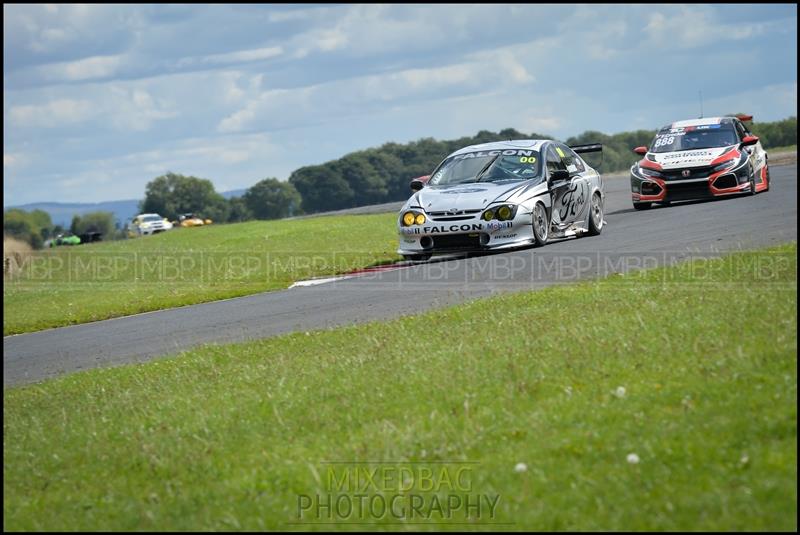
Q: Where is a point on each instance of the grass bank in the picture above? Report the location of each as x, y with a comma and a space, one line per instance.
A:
91, 282
662, 400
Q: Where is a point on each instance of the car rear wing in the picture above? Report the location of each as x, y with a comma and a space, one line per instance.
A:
591, 147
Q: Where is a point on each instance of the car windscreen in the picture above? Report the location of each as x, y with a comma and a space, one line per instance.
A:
488, 166
694, 137
150, 219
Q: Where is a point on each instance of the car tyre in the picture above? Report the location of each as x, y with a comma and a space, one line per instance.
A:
541, 224
596, 215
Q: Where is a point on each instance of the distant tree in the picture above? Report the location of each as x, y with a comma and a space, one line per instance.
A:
102, 222
776, 134
173, 194
238, 210
24, 226
272, 199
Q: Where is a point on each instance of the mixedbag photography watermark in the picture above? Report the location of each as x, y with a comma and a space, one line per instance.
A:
396, 492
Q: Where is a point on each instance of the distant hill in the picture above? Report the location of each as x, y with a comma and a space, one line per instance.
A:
233, 193
61, 212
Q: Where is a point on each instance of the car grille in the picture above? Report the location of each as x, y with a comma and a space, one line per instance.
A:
687, 191
694, 172
726, 181
459, 215
457, 241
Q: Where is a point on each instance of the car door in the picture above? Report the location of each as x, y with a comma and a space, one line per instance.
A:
756, 152
570, 197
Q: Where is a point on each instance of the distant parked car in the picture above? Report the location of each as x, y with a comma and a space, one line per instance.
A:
191, 220
89, 237
146, 224
65, 239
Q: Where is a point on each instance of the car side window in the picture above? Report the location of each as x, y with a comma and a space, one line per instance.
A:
741, 130
554, 161
572, 161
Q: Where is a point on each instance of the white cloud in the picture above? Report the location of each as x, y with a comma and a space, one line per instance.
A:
136, 109
362, 94
84, 69
52, 114
690, 27
240, 56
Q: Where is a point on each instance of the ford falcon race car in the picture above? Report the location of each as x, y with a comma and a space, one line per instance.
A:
502, 195
700, 158
147, 224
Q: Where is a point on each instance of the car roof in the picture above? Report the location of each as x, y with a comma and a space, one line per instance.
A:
534, 144
701, 122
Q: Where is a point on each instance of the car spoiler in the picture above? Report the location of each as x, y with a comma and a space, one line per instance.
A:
592, 147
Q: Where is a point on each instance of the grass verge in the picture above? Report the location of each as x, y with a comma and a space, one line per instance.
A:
553, 396
91, 282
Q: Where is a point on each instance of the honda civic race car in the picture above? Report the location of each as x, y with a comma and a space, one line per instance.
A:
502, 195
697, 159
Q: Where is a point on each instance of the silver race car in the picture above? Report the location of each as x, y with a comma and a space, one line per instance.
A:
502, 195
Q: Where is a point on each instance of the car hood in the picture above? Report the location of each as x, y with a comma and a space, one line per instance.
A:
687, 158
464, 196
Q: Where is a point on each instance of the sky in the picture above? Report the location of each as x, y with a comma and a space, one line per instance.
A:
100, 99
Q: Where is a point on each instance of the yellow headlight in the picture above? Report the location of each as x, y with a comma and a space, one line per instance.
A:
420, 219
408, 219
503, 213
488, 215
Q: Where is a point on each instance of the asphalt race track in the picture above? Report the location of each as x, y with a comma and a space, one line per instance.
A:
631, 239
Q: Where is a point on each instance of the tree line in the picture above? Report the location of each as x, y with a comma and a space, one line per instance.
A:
36, 227
382, 174
364, 177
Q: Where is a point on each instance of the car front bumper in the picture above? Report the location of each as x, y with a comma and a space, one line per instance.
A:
446, 235
700, 184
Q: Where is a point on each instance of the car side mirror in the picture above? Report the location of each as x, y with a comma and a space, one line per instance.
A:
641, 151
749, 140
419, 182
559, 175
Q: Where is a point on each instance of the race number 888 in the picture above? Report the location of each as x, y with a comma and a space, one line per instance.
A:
664, 140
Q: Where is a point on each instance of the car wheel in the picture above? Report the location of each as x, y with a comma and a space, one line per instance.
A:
642, 205
752, 184
541, 224
416, 257
767, 178
596, 215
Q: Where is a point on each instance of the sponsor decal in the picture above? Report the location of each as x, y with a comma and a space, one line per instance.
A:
483, 153
459, 191
685, 173
494, 226
452, 228
505, 236
560, 152
407, 230
573, 200
682, 155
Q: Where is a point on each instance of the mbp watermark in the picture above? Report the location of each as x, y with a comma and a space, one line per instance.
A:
396, 493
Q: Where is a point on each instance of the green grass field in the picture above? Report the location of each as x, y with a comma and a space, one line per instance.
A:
91, 282
698, 380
